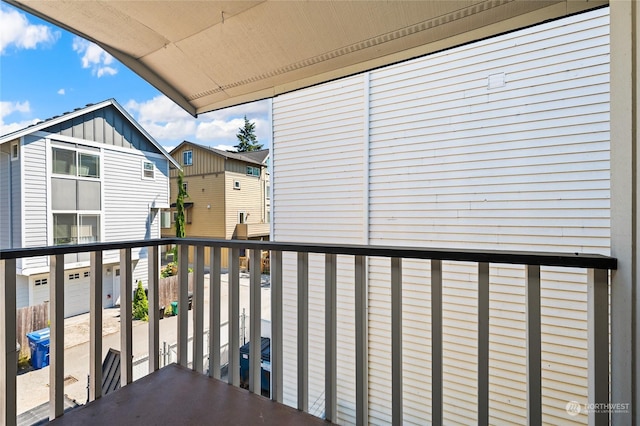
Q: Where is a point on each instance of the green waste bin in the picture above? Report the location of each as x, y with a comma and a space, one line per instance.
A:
174, 308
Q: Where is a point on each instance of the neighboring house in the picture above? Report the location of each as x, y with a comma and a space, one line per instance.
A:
90, 175
228, 193
499, 144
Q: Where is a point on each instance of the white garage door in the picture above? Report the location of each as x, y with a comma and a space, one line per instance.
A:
76, 292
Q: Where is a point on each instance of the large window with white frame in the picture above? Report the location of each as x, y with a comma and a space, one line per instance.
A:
74, 163
75, 228
187, 158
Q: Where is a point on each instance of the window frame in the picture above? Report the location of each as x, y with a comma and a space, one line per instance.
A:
15, 151
187, 158
145, 170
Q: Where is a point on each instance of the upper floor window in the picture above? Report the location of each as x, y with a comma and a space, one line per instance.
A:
148, 170
187, 158
253, 171
15, 151
73, 163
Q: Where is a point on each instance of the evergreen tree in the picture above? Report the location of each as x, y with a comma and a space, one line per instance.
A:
247, 137
180, 217
140, 304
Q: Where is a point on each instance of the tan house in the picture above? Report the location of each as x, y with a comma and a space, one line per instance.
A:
228, 193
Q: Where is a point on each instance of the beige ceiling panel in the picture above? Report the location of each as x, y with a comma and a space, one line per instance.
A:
211, 54
177, 20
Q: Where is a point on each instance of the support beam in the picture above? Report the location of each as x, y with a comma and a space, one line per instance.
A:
198, 310
183, 304
234, 317
275, 263
624, 128
361, 359
303, 332
95, 326
56, 337
483, 343
8, 354
330, 336
126, 317
598, 344
214, 313
534, 345
154, 307
436, 342
396, 342
255, 319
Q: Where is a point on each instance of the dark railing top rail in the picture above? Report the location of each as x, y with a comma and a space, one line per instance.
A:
577, 260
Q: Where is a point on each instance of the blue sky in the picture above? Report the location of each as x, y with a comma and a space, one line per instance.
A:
46, 71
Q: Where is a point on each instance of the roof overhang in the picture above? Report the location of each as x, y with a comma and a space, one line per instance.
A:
207, 55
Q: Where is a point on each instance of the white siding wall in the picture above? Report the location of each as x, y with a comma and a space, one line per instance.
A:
459, 160
34, 199
5, 201
128, 199
318, 178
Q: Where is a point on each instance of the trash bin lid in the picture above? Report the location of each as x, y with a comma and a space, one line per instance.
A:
39, 335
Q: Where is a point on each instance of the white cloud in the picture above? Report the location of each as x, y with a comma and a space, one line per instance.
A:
61, 92
15, 30
94, 57
169, 124
9, 108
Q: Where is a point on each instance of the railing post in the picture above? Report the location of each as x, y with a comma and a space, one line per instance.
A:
154, 307
183, 304
436, 342
534, 358
126, 318
361, 359
95, 326
8, 354
303, 331
483, 343
214, 313
396, 341
198, 307
234, 317
331, 328
56, 338
275, 261
598, 345
255, 313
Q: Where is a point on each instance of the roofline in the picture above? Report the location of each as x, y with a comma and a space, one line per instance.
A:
81, 111
225, 154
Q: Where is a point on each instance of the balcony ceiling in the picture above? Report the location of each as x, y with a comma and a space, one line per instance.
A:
207, 55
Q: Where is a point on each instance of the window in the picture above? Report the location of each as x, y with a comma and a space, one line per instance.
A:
74, 276
187, 158
165, 219
185, 187
148, 170
267, 192
236, 184
72, 228
73, 163
253, 171
42, 281
15, 151
242, 217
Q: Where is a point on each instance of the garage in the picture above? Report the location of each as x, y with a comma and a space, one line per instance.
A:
76, 292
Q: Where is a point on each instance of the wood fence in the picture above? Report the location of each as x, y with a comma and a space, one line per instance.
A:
168, 289
28, 319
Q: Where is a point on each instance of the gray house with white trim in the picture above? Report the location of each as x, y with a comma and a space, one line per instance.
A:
90, 175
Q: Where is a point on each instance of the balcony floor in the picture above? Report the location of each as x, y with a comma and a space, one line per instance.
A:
175, 395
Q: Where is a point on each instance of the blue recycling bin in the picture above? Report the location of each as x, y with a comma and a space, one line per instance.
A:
39, 347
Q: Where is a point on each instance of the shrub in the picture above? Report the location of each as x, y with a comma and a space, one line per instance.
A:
140, 304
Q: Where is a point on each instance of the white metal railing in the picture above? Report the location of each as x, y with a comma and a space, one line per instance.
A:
598, 338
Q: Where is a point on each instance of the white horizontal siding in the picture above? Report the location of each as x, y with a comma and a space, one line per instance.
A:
318, 181
454, 163
34, 198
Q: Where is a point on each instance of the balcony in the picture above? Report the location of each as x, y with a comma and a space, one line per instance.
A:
198, 393
246, 231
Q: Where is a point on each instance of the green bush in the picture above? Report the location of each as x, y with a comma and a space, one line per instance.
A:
140, 304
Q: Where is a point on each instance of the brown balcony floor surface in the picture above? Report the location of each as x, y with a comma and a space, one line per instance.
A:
175, 395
